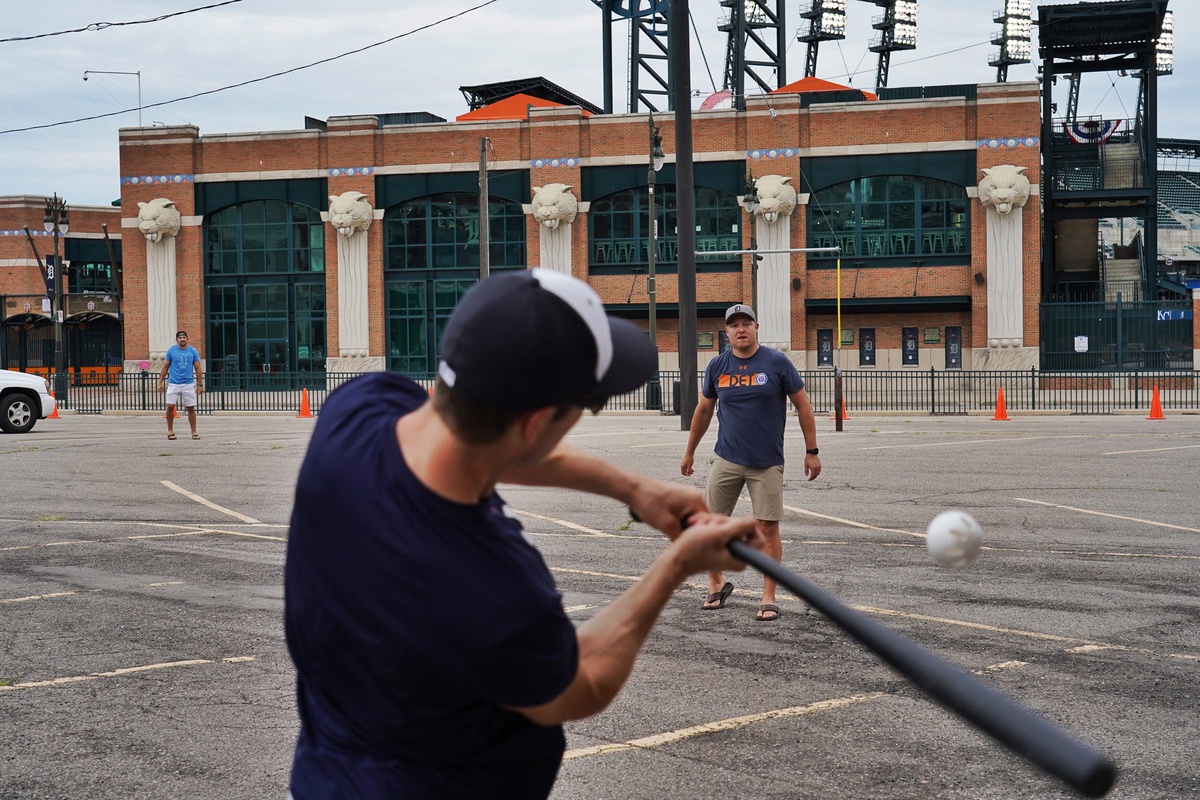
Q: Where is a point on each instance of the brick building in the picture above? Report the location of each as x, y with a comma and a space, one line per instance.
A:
264, 282
92, 295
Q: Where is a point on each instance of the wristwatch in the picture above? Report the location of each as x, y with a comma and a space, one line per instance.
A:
813, 451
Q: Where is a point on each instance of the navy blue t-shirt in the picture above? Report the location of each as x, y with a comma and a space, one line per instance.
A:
412, 620
751, 395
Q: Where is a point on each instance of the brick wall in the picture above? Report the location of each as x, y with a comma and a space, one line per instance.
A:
1002, 111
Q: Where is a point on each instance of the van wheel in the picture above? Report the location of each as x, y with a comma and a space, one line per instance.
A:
17, 413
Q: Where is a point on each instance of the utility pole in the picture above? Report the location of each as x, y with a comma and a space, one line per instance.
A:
685, 193
484, 243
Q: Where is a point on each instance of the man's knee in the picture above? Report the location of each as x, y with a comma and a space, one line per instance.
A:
769, 528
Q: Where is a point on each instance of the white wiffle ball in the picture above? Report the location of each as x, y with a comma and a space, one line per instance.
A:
954, 538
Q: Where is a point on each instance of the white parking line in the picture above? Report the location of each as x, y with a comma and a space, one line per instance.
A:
1153, 450
209, 503
852, 523
116, 673
1110, 516
670, 737
562, 522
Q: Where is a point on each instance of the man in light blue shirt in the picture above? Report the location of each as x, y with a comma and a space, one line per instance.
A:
182, 378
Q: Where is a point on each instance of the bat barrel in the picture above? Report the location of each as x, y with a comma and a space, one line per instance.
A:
1025, 733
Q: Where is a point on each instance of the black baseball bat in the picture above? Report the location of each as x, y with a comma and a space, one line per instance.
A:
1025, 733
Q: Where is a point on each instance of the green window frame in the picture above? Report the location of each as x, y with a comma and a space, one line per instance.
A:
441, 231
619, 231
264, 263
889, 220
264, 237
431, 259
92, 277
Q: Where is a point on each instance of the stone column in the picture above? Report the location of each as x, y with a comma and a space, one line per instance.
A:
773, 228
159, 222
554, 208
1004, 192
351, 214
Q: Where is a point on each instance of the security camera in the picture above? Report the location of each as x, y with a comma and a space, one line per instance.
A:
85, 76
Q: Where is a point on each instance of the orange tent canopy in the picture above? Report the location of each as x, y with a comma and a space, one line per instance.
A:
811, 84
513, 107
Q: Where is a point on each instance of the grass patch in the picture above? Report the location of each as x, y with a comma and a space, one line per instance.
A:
9, 681
51, 518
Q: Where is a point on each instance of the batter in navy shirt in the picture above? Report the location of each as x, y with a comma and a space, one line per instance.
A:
413, 621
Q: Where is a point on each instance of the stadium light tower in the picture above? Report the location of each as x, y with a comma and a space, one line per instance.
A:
897, 28
1013, 38
826, 22
1164, 46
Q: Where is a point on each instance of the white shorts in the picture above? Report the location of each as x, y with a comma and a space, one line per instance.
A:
183, 394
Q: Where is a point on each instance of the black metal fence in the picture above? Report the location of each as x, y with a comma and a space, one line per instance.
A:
911, 391
964, 391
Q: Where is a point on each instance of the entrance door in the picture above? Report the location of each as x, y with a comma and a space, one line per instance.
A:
268, 358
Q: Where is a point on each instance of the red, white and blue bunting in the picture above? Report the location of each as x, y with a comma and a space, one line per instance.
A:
1092, 131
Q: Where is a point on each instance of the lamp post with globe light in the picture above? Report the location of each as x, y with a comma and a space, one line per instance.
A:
657, 158
56, 224
752, 204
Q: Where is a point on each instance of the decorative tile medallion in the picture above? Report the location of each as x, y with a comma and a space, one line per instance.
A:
1027, 141
569, 161
148, 180
774, 152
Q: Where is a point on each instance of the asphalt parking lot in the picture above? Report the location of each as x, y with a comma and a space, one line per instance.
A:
142, 652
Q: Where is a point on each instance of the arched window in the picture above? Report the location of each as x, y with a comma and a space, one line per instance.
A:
432, 258
619, 230
891, 216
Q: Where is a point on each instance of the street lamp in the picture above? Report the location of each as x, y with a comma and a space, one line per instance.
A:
87, 72
55, 222
751, 203
657, 157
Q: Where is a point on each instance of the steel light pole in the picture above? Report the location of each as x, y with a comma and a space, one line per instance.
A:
87, 72
657, 157
56, 224
752, 204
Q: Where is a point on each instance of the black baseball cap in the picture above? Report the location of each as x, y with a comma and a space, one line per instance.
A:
537, 338
739, 308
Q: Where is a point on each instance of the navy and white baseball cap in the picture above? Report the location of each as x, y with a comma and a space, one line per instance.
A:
537, 338
739, 308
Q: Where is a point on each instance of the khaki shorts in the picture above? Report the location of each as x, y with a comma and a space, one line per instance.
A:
183, 394
765, 485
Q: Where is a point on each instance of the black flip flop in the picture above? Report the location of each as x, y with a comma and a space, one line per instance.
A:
767, 608
718, 597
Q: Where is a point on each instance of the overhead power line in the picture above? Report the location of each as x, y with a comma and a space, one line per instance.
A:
254, 80
99, 26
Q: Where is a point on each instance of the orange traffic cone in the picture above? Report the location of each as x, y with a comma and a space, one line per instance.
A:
844, 416
1156, 407
1001, 410
54, 413
305, 411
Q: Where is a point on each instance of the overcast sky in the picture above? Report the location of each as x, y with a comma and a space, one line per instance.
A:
560, 40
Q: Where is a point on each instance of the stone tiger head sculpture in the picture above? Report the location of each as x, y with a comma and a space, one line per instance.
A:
158, 218
1004, 187
775, 196
554, 203
350, 212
